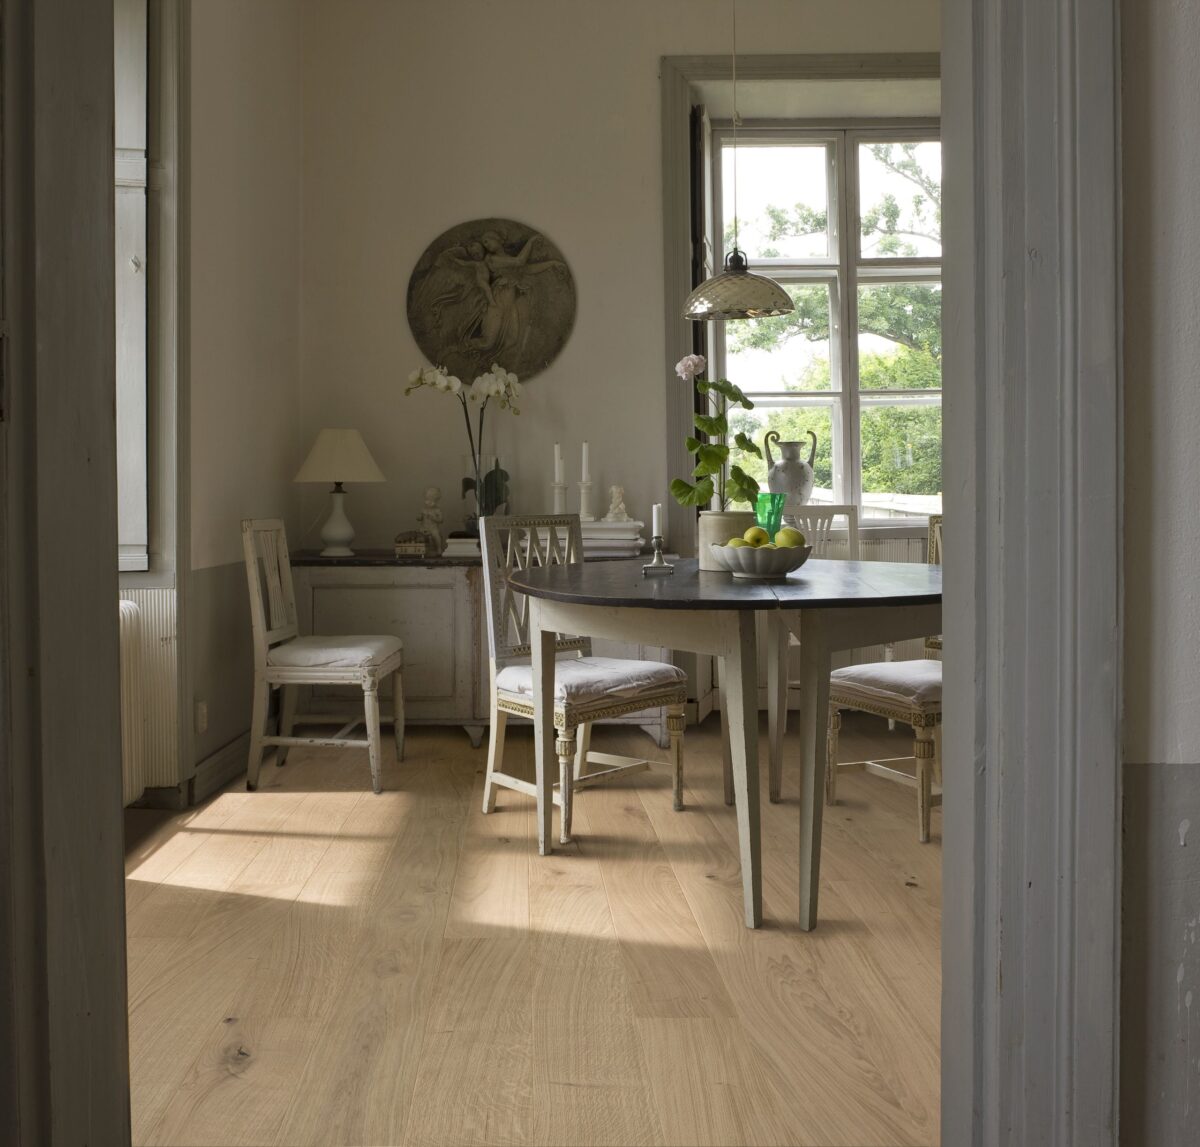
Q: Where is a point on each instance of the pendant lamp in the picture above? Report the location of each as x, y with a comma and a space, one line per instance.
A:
737, 293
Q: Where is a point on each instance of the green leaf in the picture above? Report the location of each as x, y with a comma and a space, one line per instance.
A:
710, 460
714, 425
744, 443
692, 444
727, 390
468, 486
741, 486
688, 495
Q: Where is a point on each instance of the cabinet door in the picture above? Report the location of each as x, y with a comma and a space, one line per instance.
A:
431, 611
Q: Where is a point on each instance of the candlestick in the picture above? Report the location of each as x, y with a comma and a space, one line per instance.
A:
558, 463
560, 497
656, 520
658, 564
585, 502
586, 475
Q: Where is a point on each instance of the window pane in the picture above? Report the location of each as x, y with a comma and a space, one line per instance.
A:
787, 353
782, 200
792, 423
900, 200
901, 457
900, 336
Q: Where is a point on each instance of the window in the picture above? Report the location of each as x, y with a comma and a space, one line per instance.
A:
849, 222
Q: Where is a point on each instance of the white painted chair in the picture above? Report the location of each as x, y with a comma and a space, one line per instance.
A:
907, 691
827, 535
284, 660
586, 688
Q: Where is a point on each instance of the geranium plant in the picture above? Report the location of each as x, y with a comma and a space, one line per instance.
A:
715, 477
498, 385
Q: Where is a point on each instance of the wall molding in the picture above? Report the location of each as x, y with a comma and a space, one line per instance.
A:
1033, 574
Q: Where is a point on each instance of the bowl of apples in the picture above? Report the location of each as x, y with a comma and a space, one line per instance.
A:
759, 557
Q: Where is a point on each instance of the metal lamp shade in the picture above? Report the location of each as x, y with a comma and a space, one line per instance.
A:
737, 293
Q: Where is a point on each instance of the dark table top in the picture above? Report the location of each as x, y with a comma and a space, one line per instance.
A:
816, 584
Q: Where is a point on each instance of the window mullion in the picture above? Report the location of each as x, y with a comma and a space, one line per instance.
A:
847, 348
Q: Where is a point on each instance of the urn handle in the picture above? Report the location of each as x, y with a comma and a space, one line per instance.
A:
767, 446
812, 454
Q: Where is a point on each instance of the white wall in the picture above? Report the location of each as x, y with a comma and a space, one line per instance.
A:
245, 268
421, 115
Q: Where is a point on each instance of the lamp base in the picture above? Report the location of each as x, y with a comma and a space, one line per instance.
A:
337, 533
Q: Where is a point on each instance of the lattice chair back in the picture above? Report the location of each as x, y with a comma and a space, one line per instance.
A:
269, 576
933, 645
822, 531
515, 543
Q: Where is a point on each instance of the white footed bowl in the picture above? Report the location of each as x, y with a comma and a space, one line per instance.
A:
756, 563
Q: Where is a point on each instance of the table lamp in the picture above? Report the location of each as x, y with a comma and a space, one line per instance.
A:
338, 456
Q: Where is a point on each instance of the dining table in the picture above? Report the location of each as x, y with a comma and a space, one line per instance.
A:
828, 604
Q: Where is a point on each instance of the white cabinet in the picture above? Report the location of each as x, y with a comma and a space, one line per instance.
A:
436, 608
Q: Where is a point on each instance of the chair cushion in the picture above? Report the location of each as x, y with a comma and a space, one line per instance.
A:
334, 652
580, 680
915, 684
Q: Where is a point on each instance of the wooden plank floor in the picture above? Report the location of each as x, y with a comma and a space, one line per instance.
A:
312, 964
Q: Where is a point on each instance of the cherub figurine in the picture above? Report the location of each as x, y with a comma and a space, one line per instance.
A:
616, 505
430, 520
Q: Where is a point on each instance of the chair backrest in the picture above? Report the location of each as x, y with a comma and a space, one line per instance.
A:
934, 558
821, 530
269, 577
511, 543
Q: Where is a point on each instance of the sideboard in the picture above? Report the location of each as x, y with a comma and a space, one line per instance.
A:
435, 606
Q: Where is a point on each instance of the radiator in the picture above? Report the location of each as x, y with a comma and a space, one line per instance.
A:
159, 704
133, 704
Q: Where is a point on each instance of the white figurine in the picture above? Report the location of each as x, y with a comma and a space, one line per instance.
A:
430, 519
616, 506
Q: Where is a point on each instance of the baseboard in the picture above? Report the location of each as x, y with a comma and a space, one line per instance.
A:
218, 770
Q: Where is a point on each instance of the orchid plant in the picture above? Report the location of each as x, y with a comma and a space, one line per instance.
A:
499, 385
715, 476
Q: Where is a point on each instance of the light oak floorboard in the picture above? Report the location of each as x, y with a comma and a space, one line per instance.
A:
312, 964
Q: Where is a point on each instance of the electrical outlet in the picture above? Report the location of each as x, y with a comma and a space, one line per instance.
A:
201, 717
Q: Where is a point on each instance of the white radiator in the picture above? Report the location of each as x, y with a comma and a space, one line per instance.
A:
160, 682
133, 704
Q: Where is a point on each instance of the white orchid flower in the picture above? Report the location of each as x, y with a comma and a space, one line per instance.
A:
455, 384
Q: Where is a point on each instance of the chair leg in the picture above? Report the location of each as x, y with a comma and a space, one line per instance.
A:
497, 726
675, 732
287, 719
777, 677
258, 730
398, 713
583, 744
726, 754
889, 654
937, 755
565, 747
371, 708
831, 766
923, 750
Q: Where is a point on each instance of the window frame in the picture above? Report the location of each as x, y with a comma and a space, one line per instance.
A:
843, 269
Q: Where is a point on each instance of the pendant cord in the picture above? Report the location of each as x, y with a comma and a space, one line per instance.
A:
733, 8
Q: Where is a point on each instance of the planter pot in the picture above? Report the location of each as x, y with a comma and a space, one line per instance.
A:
716, 528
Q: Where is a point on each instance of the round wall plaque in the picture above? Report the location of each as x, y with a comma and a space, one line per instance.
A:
491, 291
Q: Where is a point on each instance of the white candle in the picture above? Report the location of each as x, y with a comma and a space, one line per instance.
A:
586, 476
656, 520
558, 463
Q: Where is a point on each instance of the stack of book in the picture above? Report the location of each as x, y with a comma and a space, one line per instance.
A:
461, 548
612, 539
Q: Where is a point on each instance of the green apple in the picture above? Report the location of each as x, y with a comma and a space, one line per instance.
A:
756, 536
737, 543
768, 546
789, 538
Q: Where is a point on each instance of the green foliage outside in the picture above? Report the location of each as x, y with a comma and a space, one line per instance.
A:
901, 445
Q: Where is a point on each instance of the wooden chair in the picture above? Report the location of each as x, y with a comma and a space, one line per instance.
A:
819, 525
285, 660
586, 688
907, 691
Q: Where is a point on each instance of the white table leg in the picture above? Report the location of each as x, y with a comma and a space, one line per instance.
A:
814, 713
541, 645
741, 697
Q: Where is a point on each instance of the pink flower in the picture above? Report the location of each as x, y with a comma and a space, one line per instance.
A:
689, 366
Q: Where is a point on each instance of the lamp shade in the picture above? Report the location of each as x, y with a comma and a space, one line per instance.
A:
339, 456
737, 293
